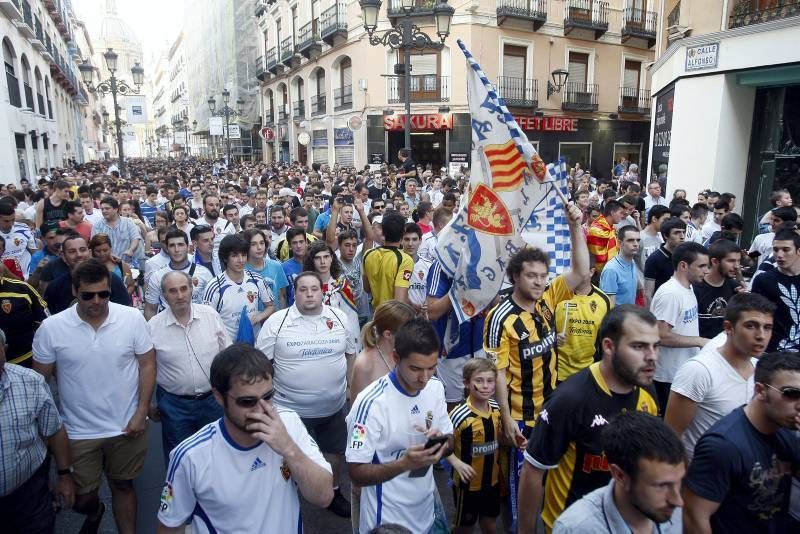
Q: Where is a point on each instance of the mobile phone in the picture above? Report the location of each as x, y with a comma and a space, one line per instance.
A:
434, 441
347, 199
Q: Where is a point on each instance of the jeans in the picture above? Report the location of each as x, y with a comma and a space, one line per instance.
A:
180, 418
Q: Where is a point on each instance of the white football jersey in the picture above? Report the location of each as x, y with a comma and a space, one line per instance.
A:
19, 245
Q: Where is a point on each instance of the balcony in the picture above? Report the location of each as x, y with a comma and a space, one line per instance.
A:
343, 98
534, 11
272, 60
47, 53
633, 100
640, 24
283, 115
333, 23
11, 9
579, 97
319, 105
299, 109
269, 117
25, 26
261, 71
309, 43
746, 17
518, 92
287, 51
260, 8
423, 88
421, 8
589, 15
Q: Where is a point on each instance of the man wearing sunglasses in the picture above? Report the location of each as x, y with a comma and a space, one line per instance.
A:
243, 472
740, 478
106, 371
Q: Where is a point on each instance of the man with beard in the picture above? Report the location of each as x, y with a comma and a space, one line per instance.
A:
566, 441
647, 463
717, 287
220, 227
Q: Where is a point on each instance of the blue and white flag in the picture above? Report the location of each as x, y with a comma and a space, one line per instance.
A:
508, 180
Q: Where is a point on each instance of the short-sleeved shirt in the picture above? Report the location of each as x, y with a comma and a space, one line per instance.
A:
579, 319
273, 276
383, 422
458, 339
121, 234
54, 269
649, 244
717, 388
712, 302
748, 473
677, 306
386, 268
476, 436
291, 268
523, 344
784, 291
97, 370
20, 243
21, 312
220, 486
620, 279
200, 278
658, 267
229, 298
417, 290
567, 437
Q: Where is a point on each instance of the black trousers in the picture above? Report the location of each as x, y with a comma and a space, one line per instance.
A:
29, 508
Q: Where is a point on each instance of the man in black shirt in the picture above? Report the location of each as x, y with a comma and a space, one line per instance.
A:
718, 286
658, 267
740, 478
407, 168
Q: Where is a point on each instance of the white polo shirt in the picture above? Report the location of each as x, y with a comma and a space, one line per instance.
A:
201, 276
380, 429
308, 352
222, 487
184, 353
97, 370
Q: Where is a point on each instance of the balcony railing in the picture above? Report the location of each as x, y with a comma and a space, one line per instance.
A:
639, 23
299, 109
579, 96
633, 100
37, 28
784, 9
532, 10
586, 15
308, 39
318, 104
674, 16
272, 59
343, 98
421, 7
283, 115
287, 50
518, 92
423, 88
333, 22
261, 69
13, 90
12, 9
269, 117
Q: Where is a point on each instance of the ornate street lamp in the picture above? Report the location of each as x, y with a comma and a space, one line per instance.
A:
113, 86
406, 36
227, 112
559, 77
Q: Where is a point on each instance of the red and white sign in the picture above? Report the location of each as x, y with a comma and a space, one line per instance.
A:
268, 134
432, 121
547, 124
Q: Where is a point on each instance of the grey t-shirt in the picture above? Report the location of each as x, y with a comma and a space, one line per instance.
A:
648, 245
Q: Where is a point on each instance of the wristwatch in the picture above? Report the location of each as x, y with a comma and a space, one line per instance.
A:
68, 471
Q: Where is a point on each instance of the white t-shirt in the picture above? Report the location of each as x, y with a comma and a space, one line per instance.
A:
710, 381
19, 245
229, 297
222, 487
97, 370
200, 279
380, 427
308, 352
677, 306
762, 243
417, 291
94, 217
427, 249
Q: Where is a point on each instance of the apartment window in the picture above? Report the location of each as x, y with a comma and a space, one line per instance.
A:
630, 76
578, 68
514, 58
346, 73
278, 32
294, 24
315, 16
266, 43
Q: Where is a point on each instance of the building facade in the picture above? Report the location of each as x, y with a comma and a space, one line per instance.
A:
726, 88
327, 95
42, 99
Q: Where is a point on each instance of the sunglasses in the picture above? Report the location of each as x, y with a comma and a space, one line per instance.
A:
788, 392
90, 295
250, 402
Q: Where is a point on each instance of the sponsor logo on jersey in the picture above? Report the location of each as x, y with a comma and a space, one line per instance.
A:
359, 436
257, 464
594, 462
598, 420
543, 415
414, 410
484, 449
166, 497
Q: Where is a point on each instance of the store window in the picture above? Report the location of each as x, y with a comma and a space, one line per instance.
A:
576, 153
319, 143
632, 152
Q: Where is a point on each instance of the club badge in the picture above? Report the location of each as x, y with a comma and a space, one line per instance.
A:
6, 306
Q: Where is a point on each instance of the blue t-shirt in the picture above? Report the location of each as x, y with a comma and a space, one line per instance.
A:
748, 473
458, 340
38, 256
274, 277
620, 279
291, 268
323, 220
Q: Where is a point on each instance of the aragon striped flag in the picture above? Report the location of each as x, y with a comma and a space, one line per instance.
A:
507, 165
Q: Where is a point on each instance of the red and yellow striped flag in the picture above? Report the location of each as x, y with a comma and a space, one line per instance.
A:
507, 166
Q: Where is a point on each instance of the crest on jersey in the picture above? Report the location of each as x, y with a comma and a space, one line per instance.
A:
195, 281
330, 324
406, 275
17, 241
6, 306
285, 471
251, 296
593, 306
428, 420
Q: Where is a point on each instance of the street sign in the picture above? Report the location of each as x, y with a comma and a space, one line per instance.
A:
267, 134
355, 122
235, 132
215, 125
702, 57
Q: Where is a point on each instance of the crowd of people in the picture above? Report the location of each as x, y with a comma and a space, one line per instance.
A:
291, 327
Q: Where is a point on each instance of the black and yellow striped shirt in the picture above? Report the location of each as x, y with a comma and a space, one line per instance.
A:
477, 443
21, 312
523, 344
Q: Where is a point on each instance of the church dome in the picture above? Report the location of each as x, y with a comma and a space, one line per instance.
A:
113, 28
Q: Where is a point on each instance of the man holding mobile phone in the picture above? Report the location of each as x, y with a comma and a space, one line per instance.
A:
397, 428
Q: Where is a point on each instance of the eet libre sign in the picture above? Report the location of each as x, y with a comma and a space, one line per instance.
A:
702, 57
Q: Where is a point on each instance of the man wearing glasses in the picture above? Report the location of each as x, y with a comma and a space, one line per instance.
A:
740, 478
106, 371
242, 473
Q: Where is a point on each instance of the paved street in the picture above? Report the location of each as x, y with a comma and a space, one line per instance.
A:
148, 488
